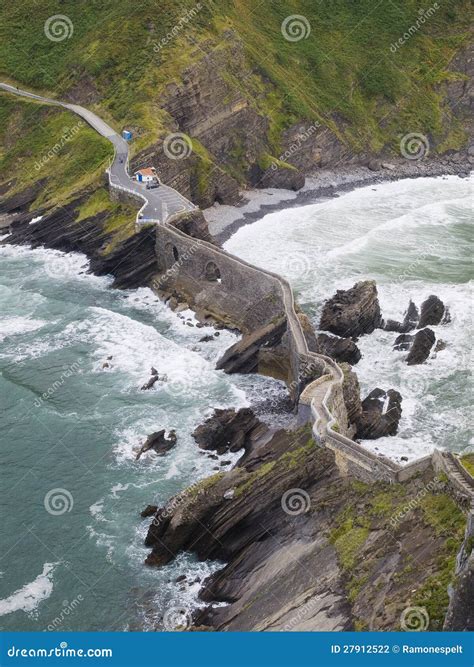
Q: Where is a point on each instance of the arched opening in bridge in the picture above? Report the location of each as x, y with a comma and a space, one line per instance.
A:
212, 273
175, 254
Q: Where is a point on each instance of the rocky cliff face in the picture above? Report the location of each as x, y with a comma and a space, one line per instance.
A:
308, 550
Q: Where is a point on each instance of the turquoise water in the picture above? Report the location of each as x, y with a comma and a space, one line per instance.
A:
72, 427
415, 238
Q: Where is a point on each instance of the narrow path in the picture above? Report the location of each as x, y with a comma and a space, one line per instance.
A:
160, 204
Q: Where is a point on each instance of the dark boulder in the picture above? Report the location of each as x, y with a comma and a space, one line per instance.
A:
421, 347
403, 342
243, 356
352, 312
227, 430
159, 443
149, 510
431, 312
381, 412
340, 349
410, 320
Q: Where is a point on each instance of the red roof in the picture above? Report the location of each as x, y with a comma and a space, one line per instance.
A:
148, 171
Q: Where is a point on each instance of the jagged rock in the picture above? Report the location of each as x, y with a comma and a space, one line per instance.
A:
431, 312
159, 443
410, 320
149, 511
440, 345
403, 342
227, 430
280, 177
460, 616
381, 412
242, 357
352, 312
351, 394
374, 164
150, 383
206, 339
340, 349
421, 347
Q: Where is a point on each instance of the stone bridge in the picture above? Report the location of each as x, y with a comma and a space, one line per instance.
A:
250, 298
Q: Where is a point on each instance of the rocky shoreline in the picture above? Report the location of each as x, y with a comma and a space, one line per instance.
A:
324, 184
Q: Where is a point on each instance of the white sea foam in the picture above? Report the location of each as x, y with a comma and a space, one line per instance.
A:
28, 597
13, 326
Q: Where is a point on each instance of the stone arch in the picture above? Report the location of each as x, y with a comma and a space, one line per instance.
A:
212, 273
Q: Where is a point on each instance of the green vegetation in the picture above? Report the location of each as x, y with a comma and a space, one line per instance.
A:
122, 62
468, 462
40, 142
124, 58
348, 539
427, 587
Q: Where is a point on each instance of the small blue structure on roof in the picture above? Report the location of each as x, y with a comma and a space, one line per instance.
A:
127, 135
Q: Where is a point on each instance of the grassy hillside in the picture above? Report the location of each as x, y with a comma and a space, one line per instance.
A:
344, 68
39, 142
119, 58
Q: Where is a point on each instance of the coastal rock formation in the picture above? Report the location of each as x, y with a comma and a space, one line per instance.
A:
306, 549
243, 356
410, 320
352, 312
421, 346
281, 177
340, 349
403, 342
351, 394
159, 443
381, 412
227, 430
431, 312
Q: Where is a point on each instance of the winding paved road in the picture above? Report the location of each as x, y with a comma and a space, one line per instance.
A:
160, 204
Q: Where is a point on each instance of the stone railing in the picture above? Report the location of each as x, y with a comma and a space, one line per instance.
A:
327, 406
